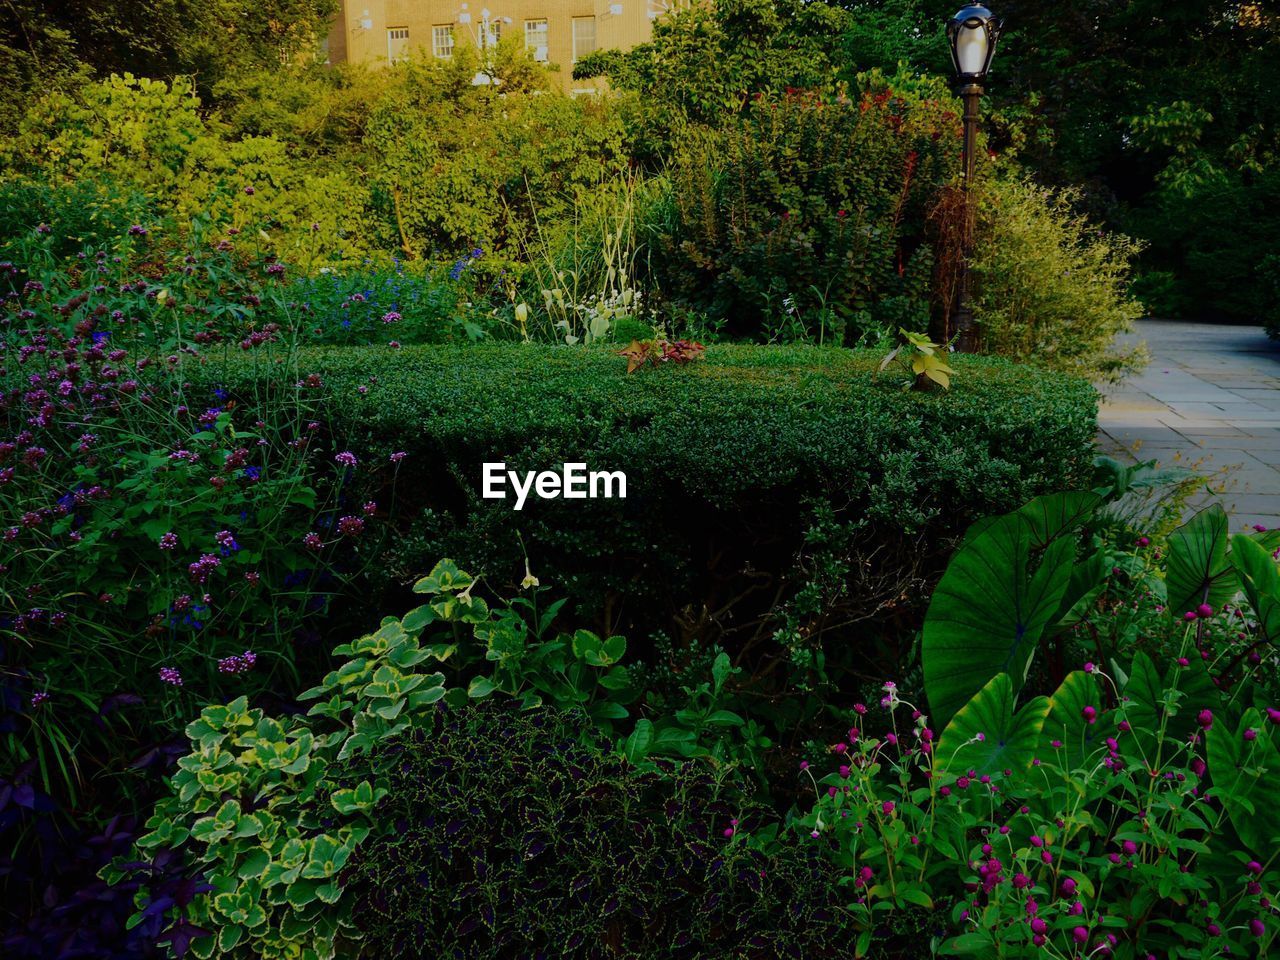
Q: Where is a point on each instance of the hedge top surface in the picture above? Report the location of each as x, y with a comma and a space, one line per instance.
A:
745, 420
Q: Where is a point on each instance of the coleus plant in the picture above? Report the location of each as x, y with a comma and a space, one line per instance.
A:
651, 353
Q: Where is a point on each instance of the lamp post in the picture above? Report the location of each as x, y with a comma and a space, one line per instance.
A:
972, 34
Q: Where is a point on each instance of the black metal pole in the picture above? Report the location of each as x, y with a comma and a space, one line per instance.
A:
962, 316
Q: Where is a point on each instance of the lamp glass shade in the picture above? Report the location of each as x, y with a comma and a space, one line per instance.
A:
971, 50
973, 33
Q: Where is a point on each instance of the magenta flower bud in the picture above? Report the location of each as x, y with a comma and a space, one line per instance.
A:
1129, 847
887, 807
1198, 767
1144, 541
1080, 934
1253, 866
728, 831
1257, 927
844, 770
1088, 667
1038, 925
1205, 611
1068, 886
1213, 929
1189, 616
1205, 718
1251, 734
1090, 714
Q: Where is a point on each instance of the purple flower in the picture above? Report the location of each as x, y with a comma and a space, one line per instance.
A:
1080, 934
201, 570
39, 698
346, 459
241, 663
169, 541
1205, 719
1250, 734
171, 676
397, 456
351, 526
312, 541
391, 317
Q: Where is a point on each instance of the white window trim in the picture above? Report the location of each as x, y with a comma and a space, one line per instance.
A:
394, 34
439, 30
544, 33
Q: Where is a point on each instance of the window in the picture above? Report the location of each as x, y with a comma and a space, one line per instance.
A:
584, 37
397, 44
442, 41
535, 38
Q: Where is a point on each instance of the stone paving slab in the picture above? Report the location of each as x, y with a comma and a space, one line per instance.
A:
1210, 400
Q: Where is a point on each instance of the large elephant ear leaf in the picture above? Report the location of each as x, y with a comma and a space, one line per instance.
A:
1088, 580
989, 612
1261, 582
1141, 703
1073, 741
1056, 514
1198, 569
1151, 703
1246, 780
987, 736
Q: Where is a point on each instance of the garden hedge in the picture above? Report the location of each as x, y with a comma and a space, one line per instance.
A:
730, 461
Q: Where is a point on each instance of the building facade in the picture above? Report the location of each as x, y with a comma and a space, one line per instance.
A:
554, 31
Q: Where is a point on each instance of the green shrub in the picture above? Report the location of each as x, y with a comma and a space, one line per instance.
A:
726, 459
806, 221
1052, 288
510, 836
144, 136
451, 171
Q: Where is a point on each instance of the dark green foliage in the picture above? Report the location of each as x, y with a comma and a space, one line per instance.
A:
512, 839
724, 458
807, 219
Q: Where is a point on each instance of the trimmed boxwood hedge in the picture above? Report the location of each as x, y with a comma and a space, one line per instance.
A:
728, 460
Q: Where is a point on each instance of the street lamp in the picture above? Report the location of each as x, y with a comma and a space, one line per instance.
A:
972, 34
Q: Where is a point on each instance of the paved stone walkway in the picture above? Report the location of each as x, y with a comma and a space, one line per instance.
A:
1210, 400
